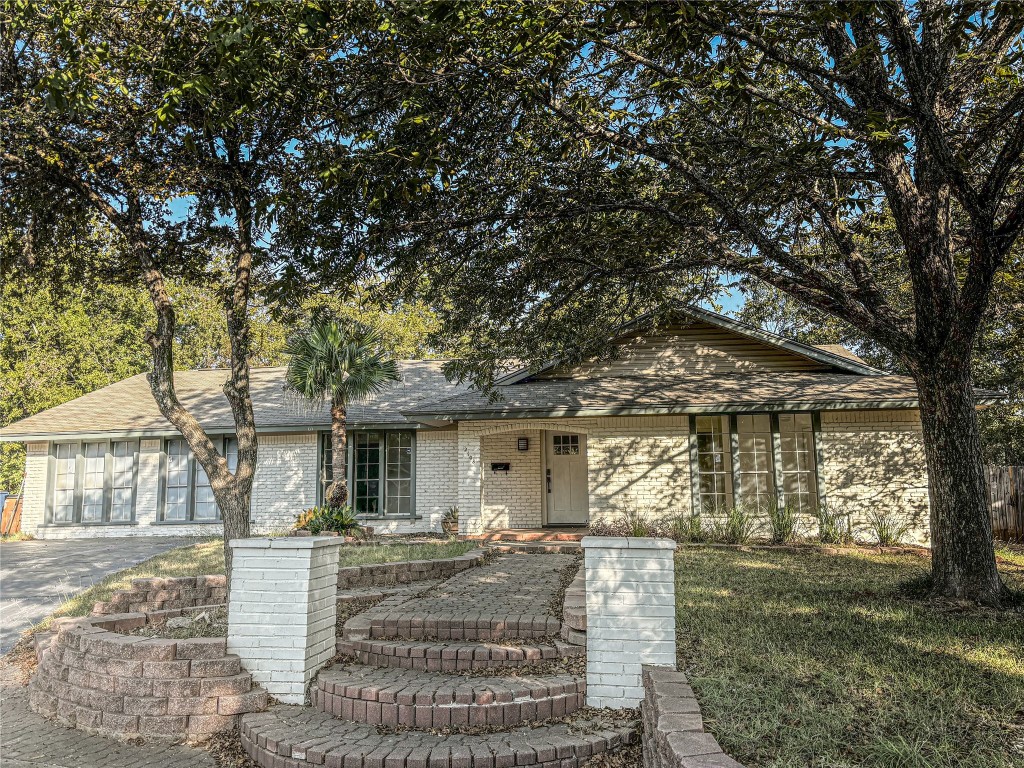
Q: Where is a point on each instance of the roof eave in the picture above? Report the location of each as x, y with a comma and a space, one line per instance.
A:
683, 408
161, 432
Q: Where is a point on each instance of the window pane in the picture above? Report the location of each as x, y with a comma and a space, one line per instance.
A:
64, 484
205, 508
176, 502
714, 463
122, 480
231, 453
366, 493
398, 486
799, 484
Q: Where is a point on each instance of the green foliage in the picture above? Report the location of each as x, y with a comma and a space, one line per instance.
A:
833, 525
739, 525
327, 518
686, 528
338, 361
783, 522
452, 514
886, 527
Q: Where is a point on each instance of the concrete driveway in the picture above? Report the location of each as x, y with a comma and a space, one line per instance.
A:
36, 576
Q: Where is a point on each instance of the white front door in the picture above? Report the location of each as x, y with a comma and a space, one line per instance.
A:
566, 479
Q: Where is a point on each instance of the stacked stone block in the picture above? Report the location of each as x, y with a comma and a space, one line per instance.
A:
630, 615
674, 735
165, 594
94, 678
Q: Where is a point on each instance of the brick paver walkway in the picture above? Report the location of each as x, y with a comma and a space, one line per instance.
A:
432, 688
27, 739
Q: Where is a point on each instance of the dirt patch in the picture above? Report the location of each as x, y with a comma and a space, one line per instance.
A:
226, 749
210, 622
18, 664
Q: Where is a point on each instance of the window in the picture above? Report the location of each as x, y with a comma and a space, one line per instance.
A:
756, 473
188, 496
714, 464
799, 484
565, 445
94, 482
382, 472
754, 459
398, 483
64, 485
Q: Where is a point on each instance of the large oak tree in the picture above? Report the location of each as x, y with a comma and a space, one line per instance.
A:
576, 162
116, 110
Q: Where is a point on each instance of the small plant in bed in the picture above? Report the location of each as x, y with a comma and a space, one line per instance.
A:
327, 519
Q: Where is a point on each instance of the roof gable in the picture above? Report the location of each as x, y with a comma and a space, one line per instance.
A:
694, 340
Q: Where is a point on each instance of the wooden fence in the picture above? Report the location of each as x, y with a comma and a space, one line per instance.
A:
1006, 500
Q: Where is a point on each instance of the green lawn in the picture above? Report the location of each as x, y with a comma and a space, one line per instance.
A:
208, 558
814, 659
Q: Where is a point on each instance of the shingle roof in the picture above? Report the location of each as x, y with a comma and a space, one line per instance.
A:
128, 406
624, 395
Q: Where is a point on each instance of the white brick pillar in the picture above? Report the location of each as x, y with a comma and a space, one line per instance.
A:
282, 610
631, 615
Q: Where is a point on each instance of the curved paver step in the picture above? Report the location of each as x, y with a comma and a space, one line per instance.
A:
296, 737
453, 656
425, 700
468, 625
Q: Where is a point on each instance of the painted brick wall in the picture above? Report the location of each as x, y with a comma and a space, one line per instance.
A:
640, 463
285, 484
515, 499
875, 460
635, 462
286, 480
33, 508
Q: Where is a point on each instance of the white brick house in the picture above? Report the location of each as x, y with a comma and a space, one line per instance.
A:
698, 415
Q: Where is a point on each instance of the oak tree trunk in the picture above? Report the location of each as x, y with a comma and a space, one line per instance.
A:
337, 493
963, 560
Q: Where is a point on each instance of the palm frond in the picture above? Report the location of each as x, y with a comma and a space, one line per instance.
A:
337, 360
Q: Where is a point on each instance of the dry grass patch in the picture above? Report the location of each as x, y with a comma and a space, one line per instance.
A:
804, 658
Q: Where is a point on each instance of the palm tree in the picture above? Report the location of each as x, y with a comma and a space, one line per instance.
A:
344, 362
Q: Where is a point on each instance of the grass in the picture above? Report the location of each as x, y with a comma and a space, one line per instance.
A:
208, 558
808, 658
13, 537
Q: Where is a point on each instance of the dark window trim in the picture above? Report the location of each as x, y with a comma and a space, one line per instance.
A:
350, 472
220, 443
78, 494
777, 473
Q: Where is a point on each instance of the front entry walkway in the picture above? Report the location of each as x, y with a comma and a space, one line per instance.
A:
469, 673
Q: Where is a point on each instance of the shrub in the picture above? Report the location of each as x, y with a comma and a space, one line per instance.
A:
686, 528
783, 522
326, 518
886, 528
737, 527
833, 525
630, 524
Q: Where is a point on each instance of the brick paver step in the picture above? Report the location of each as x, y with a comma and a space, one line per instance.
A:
356, 594
535, 548
296, 737
425, 700
465, 625
435, 656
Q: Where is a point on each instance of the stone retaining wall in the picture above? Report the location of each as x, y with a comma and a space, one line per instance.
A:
391, 574
574, 610
94, 678
162, 594
673, 733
